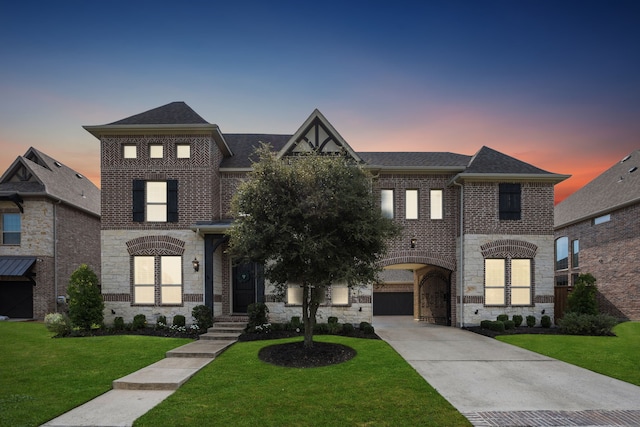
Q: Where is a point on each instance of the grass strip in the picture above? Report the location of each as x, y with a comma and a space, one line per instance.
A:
43, 377
616, 357
376, 388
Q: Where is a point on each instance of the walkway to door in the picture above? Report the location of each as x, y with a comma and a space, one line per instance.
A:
493, 383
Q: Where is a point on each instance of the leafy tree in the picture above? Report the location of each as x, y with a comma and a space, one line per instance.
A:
85, 301
582, 299
312, 220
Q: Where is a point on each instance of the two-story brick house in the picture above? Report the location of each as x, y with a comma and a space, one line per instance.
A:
50, 223
597, 231
477, 236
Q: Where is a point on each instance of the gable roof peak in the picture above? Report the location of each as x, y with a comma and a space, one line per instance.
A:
317, 134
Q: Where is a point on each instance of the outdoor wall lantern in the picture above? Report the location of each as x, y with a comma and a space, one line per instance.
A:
196, 264
413, 243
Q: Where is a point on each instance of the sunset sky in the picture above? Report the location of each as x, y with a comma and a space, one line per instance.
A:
555, 83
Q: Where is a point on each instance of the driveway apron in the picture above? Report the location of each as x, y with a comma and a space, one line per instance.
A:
494, 383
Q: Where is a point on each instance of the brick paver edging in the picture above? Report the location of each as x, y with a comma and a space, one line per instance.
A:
554, 418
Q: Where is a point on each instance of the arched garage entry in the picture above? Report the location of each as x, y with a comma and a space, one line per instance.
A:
417, 285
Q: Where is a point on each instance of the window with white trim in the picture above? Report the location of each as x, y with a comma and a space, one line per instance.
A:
386, 203
411, 204
157, 273
11, 228
129, 151
183, 151
494, 281
156, 151
156, 202
436, 205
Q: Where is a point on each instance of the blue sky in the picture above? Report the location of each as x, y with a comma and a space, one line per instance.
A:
554, 83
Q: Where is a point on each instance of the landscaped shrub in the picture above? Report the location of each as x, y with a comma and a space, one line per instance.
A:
503, 317
582, 299
334, 327
509, 324
203, 317
517, 320
531, 321
295, 321
545, 321
161, 323
58, 323
139, 322
332, 319
85, 301
493, 325
118, 323
367, 328
321, 328
587, 324
348, 328
179, 320
258, 316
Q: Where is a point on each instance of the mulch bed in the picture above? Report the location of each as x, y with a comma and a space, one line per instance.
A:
273, 335
515, 331
295, 355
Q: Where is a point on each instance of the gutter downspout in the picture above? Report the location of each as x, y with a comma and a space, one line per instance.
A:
461, 261
55, 254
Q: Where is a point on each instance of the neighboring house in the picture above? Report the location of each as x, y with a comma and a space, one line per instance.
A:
168, 177
597, 231
50, 222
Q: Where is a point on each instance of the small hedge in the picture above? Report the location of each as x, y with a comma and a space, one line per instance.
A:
203, 317
545, 321
517, 320
366, 327
118, 324
531, 321
493, 325
503, 317
179, 320
509, 324
587, 324
139, 322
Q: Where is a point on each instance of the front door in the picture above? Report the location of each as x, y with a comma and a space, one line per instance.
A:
435, 303
248, 286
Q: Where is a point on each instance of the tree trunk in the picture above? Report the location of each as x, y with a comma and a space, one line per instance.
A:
309, 309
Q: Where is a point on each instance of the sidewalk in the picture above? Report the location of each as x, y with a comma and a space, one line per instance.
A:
137, 393
496, 384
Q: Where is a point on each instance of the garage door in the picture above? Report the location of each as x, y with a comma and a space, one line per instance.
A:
16, 300
393, 303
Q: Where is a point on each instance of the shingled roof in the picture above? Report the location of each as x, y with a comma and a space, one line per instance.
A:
490, 161
243, 146
37, 174
415, 159
615, 188
174, 113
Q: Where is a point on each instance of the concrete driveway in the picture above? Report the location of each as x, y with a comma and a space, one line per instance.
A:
493, 383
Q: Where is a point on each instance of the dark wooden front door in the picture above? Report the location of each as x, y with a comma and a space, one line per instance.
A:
248, 286
435, 305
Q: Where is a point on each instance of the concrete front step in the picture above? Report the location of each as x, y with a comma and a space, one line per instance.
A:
166, 374
201, 348
219, 336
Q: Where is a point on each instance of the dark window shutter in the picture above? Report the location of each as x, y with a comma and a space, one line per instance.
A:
138, 200
172, 200
510, 201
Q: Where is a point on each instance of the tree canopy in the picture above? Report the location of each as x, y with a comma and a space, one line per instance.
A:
312, 220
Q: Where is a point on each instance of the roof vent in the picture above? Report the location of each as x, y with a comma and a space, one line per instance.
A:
625, 159
79, 176
58, 164
633, 169
620, 179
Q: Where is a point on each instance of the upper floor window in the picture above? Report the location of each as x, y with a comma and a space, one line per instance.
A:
602, 219
509, 201
386, 203
562, 253
411, 203
129, 151
183, 151
435, 197
11, 228
155, 201
156, 151
575, 253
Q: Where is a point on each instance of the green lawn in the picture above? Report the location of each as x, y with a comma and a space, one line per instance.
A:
376, 388
42, 377
617, 357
